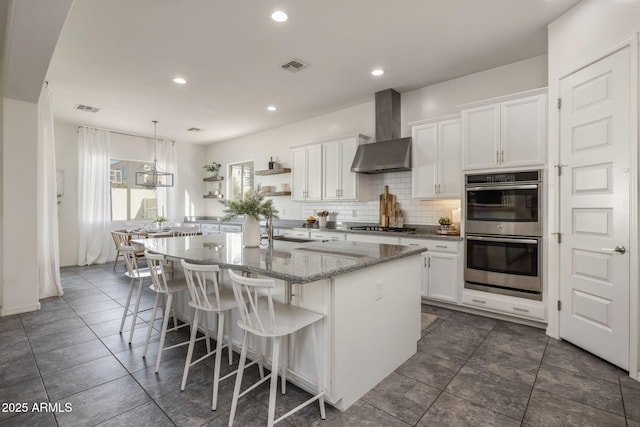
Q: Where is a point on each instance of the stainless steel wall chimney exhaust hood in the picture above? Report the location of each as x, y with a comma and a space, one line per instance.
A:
391, 153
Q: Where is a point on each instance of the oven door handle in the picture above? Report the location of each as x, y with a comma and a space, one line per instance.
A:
505, 187
503, 240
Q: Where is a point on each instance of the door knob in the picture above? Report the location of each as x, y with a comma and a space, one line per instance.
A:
620, 249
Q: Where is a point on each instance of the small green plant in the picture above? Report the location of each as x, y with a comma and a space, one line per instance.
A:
213, 167
160, 219
252, 204
445, 220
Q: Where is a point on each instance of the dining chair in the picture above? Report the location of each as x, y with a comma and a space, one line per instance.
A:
165, 289
219, 301
122, 237
134, 272
263, 317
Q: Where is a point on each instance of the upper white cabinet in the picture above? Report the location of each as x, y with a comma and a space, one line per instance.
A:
436, 160
306, 170
339, 183
510, 133
322, 171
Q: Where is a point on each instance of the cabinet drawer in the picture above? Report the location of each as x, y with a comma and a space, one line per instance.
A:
327, 235
504, 304
432, 245
209, 228
294, 233
225, 228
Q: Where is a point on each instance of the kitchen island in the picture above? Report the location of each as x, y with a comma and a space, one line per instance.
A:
369, 294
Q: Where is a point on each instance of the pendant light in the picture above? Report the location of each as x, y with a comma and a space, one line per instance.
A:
154, 176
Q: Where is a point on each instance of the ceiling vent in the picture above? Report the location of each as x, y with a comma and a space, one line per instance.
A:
86, 108
294, 66
195, 130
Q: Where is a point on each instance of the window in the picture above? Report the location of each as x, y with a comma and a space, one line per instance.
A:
241, 179
128, 200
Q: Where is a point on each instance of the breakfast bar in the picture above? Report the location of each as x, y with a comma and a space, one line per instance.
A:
369, 294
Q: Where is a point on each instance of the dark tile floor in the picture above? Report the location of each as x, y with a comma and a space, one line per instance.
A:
468, 371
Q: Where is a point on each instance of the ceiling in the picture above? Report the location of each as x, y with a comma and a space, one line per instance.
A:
121, 56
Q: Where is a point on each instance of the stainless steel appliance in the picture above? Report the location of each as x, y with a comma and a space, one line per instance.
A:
503, 233
504, 203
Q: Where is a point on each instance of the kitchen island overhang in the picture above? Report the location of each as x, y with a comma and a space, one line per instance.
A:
369, 294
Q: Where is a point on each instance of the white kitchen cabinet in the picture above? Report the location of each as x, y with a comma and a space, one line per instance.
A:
436, 160
326, 235
306, 173
519, 307
230, 228
338, 182
296, 234
373, 238
510, 133
442, 268
208, 228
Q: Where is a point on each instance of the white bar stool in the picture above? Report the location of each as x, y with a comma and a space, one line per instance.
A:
270, 319
220, 301
165, 289
133, 272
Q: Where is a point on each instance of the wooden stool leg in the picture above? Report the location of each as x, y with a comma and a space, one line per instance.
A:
236, 389
163, 334
192, 341
135, 311
216, 369
274, 381
150, 328
126, 305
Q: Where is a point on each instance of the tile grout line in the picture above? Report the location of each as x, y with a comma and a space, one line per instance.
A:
534, 383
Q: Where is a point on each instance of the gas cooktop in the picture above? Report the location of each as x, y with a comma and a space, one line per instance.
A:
379, 228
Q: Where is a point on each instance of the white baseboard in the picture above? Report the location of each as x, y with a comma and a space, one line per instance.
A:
8, 311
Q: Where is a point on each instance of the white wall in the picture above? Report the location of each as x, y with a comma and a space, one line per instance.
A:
577, 38
19, 201
188, 183
428, 102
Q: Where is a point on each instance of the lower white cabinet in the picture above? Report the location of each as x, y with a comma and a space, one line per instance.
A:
441, 277
373, 238
230, 228
442, 268
296, 234
326, 235
519, 307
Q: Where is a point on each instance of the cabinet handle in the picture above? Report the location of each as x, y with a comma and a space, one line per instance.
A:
497, 157
441, 246
501, 156
524, 310
479, 301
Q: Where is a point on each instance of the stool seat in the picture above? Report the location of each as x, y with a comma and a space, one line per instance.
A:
173, 285
287, 318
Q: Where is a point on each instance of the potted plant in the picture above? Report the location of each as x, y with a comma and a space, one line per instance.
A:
157, 222
445, 222
212, 168
253, 206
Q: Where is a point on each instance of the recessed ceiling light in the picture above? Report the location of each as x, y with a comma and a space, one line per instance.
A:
279, 16
271, 108
377, 72
179, 80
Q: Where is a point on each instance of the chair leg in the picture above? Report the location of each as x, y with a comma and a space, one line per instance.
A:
150, 328
316, 360
216, 369
163, 334
116, 260
192, 341
285, 363
236, 388
229, 343
135, 311
126, 305
274, 381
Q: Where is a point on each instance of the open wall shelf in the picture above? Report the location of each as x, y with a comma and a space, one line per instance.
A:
273, 171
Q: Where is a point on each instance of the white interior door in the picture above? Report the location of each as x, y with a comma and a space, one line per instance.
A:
594, 204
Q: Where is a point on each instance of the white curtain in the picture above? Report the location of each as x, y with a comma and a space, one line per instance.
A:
48, 257
167, 161
94, 204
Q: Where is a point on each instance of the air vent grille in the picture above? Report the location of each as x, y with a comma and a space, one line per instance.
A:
195, 130
294, 66
86, 108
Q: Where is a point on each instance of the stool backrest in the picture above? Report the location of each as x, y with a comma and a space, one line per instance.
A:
185, 230
248, 291
130, 259
156, 268
197, 277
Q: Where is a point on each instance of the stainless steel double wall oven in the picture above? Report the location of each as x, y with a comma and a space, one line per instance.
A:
503, 233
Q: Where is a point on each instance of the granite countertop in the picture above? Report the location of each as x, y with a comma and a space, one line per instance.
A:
293, 262
421, 231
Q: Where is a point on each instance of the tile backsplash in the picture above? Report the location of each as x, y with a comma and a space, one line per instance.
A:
415, 211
